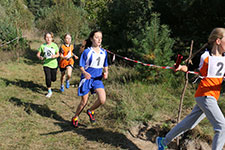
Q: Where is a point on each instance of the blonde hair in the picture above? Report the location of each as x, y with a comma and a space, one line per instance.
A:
215, 34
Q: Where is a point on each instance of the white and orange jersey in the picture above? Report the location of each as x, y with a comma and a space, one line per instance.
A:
212, 68
66, 50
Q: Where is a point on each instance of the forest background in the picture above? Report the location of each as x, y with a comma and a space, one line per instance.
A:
151, 31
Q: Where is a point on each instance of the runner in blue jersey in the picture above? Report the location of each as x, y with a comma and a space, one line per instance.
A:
94, 67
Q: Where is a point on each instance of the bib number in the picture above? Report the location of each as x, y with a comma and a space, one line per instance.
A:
216, 67
219, 72
48, 52
98, 59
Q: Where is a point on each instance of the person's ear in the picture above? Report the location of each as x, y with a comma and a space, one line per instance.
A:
218, 41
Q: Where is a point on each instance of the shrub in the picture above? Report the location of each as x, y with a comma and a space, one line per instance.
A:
65, 18
18, 13
9, 32
154, 46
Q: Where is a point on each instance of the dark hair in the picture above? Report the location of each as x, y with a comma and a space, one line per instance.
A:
67, 34
91, 35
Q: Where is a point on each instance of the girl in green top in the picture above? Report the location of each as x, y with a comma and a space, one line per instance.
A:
49, 52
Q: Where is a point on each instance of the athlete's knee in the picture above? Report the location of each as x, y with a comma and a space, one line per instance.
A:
102, 100
101, 96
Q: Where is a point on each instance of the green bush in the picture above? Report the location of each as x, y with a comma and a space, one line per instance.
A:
64, 18
35, 6
18, 13
9, 32
154, 46
12, 21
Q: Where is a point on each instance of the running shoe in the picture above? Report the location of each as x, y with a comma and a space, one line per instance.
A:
91, 116
159, 142
67, 84
75, 122
49, 95
62, 88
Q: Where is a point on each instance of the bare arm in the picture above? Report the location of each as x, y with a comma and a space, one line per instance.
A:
105, 73
39, 56
86, 74
61, 56
75, 56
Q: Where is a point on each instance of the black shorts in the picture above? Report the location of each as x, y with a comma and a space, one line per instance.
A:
64, 69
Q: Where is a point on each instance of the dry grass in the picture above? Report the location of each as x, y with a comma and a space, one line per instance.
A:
31, 121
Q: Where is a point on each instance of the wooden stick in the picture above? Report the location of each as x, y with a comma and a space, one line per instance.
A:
184, 89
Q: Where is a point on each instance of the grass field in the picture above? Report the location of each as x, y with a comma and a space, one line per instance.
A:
31, 121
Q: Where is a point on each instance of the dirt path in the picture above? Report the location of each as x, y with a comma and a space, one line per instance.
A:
143, 136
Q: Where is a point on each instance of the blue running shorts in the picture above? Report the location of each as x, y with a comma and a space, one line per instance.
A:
87, 85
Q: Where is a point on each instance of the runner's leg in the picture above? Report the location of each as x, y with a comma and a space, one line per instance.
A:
101, 98
210, 107
189, 122
82, 104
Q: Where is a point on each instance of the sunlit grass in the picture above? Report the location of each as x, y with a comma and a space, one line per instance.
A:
31, 121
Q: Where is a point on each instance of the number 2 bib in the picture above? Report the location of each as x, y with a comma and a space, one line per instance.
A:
216, 67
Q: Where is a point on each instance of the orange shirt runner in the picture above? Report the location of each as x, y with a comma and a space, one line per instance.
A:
66, 51
208, 86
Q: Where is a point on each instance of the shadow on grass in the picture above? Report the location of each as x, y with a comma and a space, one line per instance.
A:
91, 134
42, 110
97, 134
106, 136
31, 57
25, 84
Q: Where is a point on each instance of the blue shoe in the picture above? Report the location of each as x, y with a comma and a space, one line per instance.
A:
62, 88
67, 84
159, 142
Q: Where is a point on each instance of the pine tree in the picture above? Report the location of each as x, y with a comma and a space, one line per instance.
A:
154, 46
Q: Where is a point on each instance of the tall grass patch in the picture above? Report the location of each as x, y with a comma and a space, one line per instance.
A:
139, 101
